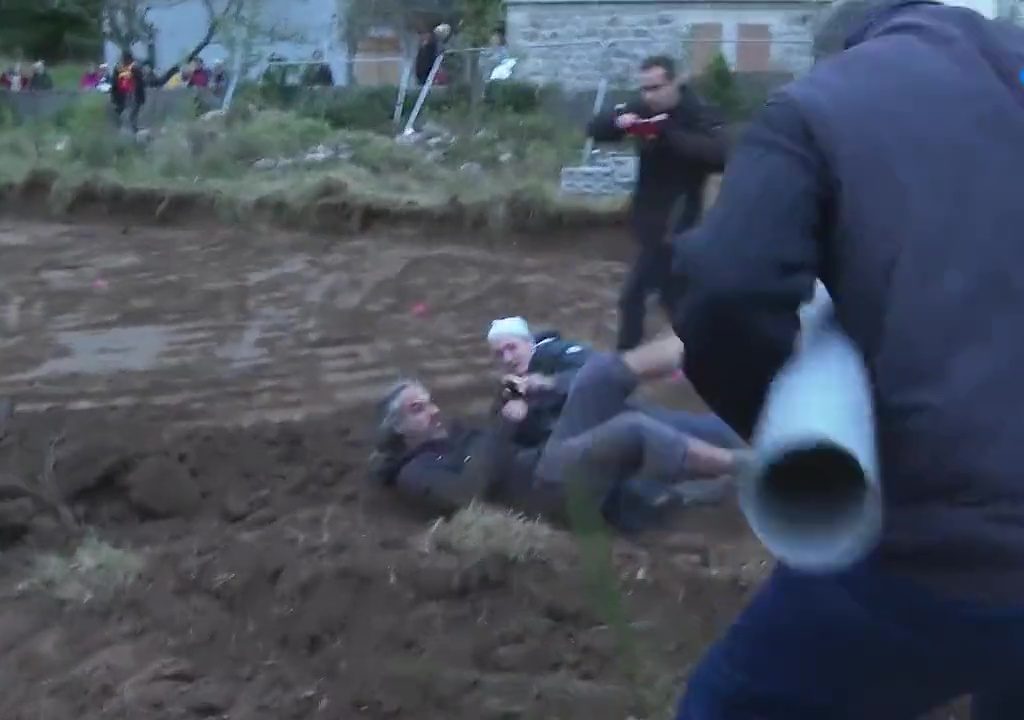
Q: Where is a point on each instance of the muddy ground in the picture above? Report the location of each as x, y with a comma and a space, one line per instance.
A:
193, 411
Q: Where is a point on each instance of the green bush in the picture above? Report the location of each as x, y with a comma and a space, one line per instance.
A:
269, 134
718, 85
512, 96
93, 138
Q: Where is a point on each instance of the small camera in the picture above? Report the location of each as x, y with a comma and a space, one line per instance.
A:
510, 391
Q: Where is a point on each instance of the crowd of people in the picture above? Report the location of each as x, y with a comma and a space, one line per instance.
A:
889, 173
193, 73
20, 77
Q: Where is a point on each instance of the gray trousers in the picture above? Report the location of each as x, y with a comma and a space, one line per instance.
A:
601, 440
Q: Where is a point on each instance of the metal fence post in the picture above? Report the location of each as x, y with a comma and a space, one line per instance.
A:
422, 98
403, 90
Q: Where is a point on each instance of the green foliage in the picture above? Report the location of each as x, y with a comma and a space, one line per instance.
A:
92, 136
50, 30
718, 85
479, 18
512, 96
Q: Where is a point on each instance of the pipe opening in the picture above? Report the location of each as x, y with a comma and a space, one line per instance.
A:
813, 494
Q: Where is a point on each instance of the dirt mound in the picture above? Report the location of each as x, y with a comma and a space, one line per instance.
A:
251, 573
328, 207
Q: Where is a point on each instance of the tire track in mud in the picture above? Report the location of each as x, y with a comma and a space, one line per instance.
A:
234, 326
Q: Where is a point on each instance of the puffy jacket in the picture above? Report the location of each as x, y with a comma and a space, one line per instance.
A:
561, 360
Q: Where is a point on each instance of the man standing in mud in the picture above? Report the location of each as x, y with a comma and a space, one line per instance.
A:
679, 146
892, 172
128, 91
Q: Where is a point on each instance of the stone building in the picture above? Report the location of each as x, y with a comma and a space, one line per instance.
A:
576, 42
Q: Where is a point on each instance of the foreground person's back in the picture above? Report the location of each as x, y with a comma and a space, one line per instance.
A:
893, 170
923, 124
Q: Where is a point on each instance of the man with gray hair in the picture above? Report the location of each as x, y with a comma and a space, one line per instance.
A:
892, 171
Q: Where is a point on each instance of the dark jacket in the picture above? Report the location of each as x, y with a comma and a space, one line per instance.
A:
425, 57
445, 475
561, 360
893, 172
117, 97
674, 166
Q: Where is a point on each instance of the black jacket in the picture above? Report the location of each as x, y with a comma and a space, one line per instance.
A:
471, 463
117, 97
674, 166
561, 360
425, 57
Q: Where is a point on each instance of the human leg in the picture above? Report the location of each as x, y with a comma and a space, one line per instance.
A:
638, 286
861, 645
706, 426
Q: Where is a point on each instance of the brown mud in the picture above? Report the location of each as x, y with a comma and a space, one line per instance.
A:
199, 396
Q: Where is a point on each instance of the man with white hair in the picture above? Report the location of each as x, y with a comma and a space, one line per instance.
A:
542, 366
540, 371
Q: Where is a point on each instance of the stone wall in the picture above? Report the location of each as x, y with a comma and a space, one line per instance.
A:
576, 42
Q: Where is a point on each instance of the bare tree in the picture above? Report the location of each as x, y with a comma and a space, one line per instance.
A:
127, 22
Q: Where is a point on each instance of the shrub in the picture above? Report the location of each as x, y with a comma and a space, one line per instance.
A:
92, 136
512, 96
718, 85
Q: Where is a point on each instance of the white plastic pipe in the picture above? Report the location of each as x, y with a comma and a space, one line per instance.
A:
812, 493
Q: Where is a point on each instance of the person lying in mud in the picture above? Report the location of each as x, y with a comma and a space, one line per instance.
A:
598, 443
544, 365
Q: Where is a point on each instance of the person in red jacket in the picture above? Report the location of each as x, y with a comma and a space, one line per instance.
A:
128, 90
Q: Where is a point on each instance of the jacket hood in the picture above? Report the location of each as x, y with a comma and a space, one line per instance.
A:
849, 22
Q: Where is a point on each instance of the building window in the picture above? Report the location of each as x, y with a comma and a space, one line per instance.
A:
704, 43
754, 50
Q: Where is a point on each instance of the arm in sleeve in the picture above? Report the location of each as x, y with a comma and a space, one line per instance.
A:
573, 358
751, 264
140, 85
709, 147
706, 143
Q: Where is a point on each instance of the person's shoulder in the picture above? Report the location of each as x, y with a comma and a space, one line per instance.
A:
555, 346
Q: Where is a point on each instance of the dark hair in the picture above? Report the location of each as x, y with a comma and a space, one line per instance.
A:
389, 446
660, 61
127, 57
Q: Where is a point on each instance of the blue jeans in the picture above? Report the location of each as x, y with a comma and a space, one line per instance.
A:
859, 646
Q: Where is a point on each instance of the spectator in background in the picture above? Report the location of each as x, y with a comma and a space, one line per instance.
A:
40, 78
219, 77
128, 91
90, 79
431, 45
319, 73
199, 76
15, 78
149, 76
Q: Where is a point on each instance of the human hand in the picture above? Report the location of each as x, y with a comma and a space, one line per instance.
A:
515, 384
514, 410
626, 120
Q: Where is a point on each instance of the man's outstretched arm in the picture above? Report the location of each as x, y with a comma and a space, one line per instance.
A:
751, 264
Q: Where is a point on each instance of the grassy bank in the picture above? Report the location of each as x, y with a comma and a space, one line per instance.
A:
256, 152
